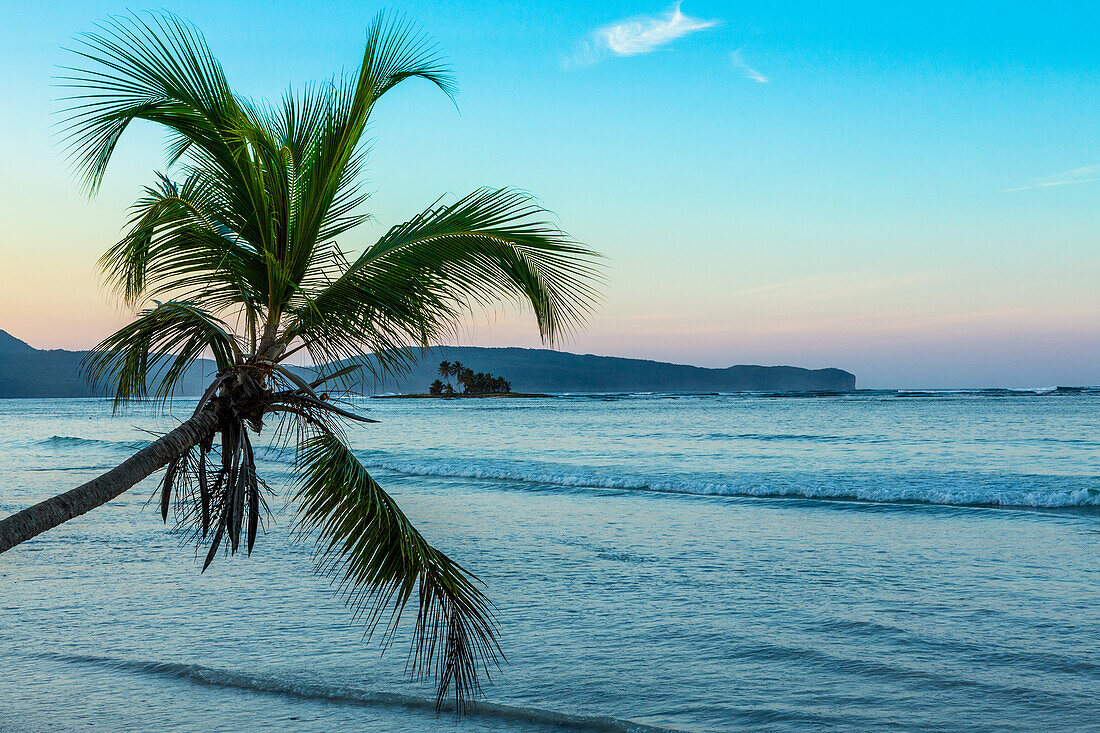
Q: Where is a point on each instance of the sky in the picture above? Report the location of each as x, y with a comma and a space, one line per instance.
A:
908, 191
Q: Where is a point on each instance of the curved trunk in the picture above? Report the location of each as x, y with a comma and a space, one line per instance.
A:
32, 521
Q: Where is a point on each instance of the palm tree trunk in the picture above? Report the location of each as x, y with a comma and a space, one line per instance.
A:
22, 526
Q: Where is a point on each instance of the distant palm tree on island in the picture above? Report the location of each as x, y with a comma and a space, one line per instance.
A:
447, 370
240, 252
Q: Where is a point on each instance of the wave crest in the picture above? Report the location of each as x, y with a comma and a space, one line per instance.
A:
68, 441
869, 491
963, 491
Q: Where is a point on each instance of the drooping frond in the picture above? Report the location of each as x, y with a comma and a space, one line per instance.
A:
151, 67
159, 346
415, 283
381, 562
221, 500
180, 245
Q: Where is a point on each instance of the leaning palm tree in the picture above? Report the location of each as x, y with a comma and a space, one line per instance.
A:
233, 253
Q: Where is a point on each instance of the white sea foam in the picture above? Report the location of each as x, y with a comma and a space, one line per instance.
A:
858, 490
948, 490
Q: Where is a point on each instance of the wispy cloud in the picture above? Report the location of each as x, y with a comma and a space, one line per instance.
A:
748, 71
638, 35
1085, 174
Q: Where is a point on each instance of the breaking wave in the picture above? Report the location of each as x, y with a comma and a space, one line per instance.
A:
68, 441
929, 491
1014, 491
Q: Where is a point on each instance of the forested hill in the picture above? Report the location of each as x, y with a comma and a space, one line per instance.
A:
543, 370
30, 372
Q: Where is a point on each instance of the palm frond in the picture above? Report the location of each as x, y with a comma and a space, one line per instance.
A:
416, 282
380, 562
152, 67
159, 346
180, 245
322, 129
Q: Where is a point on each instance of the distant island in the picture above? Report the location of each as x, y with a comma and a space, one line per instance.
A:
474, 385
29, 372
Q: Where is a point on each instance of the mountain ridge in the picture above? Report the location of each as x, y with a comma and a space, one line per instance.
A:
29, 372
11, 345
546, 370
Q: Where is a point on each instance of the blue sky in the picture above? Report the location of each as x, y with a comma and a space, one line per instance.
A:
907, 191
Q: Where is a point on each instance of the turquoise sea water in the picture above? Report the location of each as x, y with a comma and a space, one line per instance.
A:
874, 560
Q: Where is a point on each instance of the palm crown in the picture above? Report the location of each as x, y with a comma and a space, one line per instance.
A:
237, 253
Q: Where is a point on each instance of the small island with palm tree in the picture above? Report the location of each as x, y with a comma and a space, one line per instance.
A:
474, 384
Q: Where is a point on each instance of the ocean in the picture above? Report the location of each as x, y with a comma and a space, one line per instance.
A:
874, 560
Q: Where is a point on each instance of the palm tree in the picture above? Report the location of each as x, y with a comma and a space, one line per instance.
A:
457, 369
445, 369
236, 256
465, 377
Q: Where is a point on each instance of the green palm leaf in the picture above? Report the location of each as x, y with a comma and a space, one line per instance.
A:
180, 244
414, 285
379, 561
161, 343
152, 67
